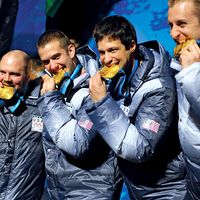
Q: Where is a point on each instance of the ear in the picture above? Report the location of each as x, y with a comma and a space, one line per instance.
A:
132, 46
71, 50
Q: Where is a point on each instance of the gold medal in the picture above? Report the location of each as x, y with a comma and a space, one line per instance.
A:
109, 72
179, 47
59, 76
6, 92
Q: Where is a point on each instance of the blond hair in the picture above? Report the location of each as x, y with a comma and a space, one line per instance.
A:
196, 3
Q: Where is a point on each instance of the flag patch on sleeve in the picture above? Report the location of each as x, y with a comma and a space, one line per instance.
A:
87, 124
151, 125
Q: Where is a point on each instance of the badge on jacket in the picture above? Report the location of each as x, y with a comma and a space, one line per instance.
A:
37, 123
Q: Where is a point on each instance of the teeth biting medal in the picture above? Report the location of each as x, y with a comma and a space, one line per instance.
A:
109, 72
59, 76
183, 44
6, 92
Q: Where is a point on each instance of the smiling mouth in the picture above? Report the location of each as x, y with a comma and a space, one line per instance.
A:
6, 84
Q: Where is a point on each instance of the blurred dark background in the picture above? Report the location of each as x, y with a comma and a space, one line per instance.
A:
77, 18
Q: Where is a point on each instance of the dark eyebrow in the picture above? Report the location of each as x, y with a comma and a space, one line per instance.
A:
109, 49
55, 55
15, 73
11, 73
181, 21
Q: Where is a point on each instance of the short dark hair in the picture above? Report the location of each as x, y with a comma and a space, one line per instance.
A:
52, 35
116, 27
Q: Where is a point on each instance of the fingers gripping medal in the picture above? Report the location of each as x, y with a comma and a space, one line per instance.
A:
63, 81
183, 44
59, 77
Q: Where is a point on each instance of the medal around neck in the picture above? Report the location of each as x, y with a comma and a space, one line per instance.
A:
109, 72
7, 92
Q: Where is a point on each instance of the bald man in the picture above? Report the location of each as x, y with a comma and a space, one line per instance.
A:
21, 152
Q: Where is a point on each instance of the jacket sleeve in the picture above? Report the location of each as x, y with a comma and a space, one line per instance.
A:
189, 80
71, 134
135, 140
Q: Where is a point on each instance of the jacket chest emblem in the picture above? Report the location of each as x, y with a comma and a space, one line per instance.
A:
37, 124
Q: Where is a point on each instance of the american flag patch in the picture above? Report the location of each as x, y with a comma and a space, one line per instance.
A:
87, 124
151, 125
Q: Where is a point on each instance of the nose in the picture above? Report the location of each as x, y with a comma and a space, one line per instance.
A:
107, 59
53, 66
176, 34
7, 78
